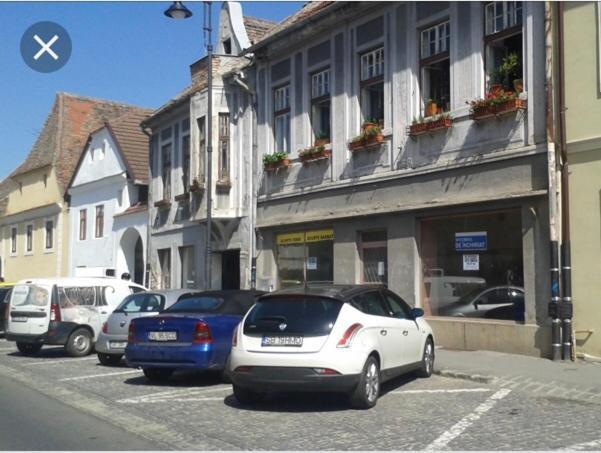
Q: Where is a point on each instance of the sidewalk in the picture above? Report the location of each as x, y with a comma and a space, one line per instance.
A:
578, 380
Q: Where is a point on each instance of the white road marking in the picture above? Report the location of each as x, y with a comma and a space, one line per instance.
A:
593, 445
182, 400
456, 430
186, 394
52, 361
441, 391
90, 376
8, 349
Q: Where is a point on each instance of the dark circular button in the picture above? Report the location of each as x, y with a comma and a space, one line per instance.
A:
46, 47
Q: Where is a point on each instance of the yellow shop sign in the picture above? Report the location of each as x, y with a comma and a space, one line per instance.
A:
291, 238
305, 236
319, 235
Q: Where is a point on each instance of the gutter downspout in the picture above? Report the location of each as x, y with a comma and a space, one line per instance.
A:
150, 162
553, 306
566, 267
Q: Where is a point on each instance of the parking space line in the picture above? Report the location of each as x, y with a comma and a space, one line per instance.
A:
593, 445
173, 395
8, 349
91, 376
442, 391
457, 429
52, 361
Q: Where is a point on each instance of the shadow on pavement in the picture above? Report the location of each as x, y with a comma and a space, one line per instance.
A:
181, 378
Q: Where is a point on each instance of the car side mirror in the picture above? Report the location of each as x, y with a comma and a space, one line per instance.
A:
417, 312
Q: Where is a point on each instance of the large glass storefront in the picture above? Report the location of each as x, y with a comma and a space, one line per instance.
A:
305, 256
473, 266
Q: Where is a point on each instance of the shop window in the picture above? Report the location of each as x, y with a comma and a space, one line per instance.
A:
473, 266
166, 170
165, 268
83, 220
305, 257
372, 85
224, 146
188, 267
503, 41
320, 104
281, 118
374, 257
435, 69
99, 221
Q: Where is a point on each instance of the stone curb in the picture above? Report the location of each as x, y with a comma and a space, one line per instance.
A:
466, 376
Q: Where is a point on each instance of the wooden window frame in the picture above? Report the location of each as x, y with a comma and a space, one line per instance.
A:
224, 139
84, 219
99, 221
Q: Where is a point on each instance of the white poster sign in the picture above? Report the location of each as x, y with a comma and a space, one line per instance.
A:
311, 263
471, 262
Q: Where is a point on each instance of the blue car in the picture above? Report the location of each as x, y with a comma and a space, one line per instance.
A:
194, 333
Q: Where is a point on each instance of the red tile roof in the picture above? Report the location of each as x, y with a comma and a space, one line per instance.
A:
257, 28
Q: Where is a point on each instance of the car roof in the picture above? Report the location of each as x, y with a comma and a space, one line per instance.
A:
341, 292
82, 281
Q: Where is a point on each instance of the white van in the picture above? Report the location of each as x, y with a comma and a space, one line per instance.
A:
63, 311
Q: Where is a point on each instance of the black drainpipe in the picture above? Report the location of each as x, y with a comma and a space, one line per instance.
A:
566, 267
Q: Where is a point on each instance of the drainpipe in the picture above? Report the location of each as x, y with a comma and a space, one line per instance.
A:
148, 133
553, 307
566, 305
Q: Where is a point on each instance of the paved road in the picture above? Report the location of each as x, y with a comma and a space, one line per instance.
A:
197, 412
30, 420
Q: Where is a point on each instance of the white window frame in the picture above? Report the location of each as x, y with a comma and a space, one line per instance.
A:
508, 13
79, 239
16, 240
53, 220
162, 143
442, 33
372, 64
96, 220
185, 134
27, 225
320, 84
281, 113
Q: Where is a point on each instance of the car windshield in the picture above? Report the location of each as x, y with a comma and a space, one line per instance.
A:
196, 304
23, 295
301, 315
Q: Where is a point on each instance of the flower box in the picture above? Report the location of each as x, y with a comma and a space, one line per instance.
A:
313, 154
366, 143
182, 197
490, 111
276, 165
429, 127
162, 204
321, 142
196, 186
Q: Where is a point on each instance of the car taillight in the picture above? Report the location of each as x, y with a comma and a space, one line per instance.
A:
235, 337
55, 312
105, 327
131, 333
348, 336
325, 371
202, 333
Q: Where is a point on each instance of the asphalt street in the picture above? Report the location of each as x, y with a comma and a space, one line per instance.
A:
52, 401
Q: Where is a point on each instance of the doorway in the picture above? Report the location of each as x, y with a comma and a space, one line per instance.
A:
230, 269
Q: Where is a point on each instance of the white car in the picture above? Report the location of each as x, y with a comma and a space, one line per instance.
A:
335, 338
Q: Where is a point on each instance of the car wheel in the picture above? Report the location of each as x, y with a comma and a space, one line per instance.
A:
109, 359
427, 365
157, 374
365, 395
28, 348
247, 396
79, 343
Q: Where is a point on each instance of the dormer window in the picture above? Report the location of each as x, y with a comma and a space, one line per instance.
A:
227, 46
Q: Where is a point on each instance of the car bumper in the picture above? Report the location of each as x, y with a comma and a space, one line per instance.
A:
265, 378
173, 356
57, 334
107, 344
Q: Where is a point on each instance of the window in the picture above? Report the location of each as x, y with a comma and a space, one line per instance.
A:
435, 69
166, 170
202, 141
320, 104
165, 268
503, 41
399, 309
29, 238
83, 220
374, 257
371, 303
188, 267
186, 162
372, 85
99, 221
281, 102
13, 240
224, 146
49, 230
227, 46
76, 296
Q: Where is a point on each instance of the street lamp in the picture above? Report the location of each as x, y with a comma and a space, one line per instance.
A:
178, 11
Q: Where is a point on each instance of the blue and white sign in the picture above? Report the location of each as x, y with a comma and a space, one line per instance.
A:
471, 241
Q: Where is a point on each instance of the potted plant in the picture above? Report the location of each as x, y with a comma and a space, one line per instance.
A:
421, 126
373, 135
370, 123
356, 143
322, 139
310, 154
495, 104
195, 186
431, 107
276, 160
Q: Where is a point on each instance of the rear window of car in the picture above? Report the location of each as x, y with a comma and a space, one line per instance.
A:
137, 303
302, 315
24, 295
196, 304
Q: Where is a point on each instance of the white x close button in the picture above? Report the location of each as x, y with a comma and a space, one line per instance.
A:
46, 47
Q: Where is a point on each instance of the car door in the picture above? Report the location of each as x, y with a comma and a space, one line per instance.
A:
389, 337
405, 328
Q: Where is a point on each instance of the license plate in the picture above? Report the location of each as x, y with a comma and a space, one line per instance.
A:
281, 340
18, 318
162, 336
117, 344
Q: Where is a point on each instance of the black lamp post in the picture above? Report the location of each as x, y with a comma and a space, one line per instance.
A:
178, 11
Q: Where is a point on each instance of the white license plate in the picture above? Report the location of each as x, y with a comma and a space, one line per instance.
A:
282, 340
117, 344
18, 318
162, 336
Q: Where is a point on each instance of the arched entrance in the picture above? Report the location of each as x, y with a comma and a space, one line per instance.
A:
131, 255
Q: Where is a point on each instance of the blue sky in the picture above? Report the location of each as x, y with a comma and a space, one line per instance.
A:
125, 51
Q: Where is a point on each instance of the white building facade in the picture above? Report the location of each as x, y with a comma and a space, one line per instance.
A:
108, 212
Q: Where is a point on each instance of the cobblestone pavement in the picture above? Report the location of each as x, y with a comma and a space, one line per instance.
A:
194, 411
